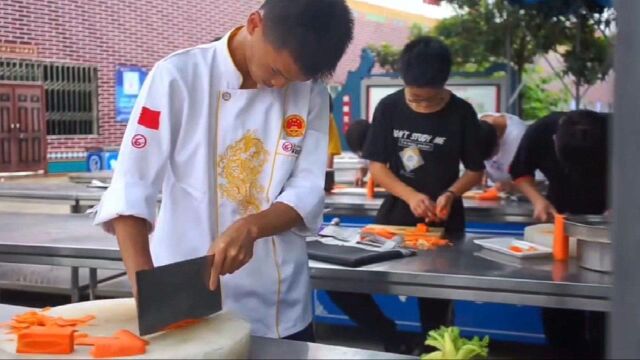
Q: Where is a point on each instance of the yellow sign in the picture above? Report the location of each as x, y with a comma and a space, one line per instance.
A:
16, 50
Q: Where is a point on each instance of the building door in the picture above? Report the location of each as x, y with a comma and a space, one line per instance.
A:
23, 142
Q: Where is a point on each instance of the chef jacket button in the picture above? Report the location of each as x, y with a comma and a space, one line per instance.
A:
226, 96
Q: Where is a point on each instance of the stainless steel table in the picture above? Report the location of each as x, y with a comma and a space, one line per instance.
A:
267, 348
76, 194
80, 195
503, 211
461, 272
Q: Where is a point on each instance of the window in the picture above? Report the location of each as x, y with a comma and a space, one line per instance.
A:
71, 93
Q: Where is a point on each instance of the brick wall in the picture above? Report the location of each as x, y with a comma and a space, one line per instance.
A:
371, 30
140, 32
110, 32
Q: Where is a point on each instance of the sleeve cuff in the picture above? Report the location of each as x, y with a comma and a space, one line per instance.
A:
126, 199
310, 206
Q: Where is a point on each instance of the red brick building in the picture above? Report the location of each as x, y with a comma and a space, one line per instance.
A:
67, 52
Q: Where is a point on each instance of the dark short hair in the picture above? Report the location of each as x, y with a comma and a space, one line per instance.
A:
581, 140
425, 62
488, 140
315, 32
356, 135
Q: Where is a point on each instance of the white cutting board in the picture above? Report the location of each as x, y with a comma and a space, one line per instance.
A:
221, 336
502, 244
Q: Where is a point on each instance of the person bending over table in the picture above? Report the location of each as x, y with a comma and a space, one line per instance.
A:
570, 149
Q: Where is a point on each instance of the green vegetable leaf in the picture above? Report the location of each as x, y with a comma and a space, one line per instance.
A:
451, 345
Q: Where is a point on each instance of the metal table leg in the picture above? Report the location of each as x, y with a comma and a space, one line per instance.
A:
75, 208
75, 284
93, 283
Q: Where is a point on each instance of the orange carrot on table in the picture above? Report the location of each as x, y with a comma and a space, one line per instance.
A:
422, 228
182, 324
45, 340
560, 240
122, 343
516, 249
490, 194
117, 347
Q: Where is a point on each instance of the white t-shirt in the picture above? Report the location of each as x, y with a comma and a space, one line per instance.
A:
498, 166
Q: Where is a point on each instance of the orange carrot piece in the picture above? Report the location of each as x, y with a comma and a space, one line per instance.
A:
45, 340
117, 347
129, 336
422, 228
89, 340
516, 249
182, 324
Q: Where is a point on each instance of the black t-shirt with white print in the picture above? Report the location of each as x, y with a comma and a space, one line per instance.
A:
424, 151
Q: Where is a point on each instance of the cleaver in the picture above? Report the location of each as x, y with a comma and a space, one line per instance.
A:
175, 292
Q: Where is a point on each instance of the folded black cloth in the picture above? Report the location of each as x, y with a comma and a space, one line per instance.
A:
351, 256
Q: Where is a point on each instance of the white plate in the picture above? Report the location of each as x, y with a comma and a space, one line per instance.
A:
502, 245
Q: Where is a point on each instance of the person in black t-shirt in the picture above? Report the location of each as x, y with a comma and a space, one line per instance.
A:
570, 149
418, 138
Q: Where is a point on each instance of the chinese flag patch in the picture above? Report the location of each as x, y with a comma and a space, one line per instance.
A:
149, 118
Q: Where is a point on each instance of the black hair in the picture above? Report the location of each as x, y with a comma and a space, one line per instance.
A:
488, 140
581, 140
315, 32
425, 62
356, 135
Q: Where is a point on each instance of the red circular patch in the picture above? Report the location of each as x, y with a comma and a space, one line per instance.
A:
294, 126
139, 141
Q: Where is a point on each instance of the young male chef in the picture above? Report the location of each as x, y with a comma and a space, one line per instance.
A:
234, 133
570, 149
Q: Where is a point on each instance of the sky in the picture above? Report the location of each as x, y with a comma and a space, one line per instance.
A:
416, 7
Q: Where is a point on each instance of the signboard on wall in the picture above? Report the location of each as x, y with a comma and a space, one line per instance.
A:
129, 80
483, 95
18, 51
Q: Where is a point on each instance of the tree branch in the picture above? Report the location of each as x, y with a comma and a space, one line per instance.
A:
557, 74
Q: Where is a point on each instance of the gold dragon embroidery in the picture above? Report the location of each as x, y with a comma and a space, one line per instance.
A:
239, 169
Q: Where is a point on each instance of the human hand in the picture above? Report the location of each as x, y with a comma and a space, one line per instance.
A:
422, 206
232, 250
543, 211
443, 205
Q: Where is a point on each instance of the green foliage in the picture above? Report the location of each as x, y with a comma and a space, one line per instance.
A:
450, 345
537, 99
387, 56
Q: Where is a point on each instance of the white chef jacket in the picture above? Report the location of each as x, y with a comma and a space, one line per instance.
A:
194, 130
497, 167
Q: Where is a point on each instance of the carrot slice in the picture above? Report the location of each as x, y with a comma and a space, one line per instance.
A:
45, 340
129, 336
516, 249
182, 324
89, 340
490, 194
422, 228
117, 347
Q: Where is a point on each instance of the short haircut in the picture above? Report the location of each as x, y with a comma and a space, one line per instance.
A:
488, 140
315, 32
425, 62
581, 140
356, 135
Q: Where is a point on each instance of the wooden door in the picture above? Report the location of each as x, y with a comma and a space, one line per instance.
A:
23, 136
